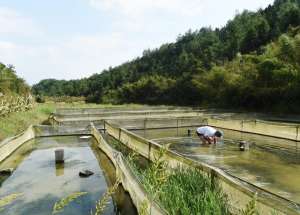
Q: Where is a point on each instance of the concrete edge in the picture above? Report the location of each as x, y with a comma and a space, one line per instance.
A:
128, 179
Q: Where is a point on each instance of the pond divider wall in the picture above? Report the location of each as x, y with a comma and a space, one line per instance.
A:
49, 131
97, 110
290, 131
123, 114
129, 181
239, 192
158, 123
8, 146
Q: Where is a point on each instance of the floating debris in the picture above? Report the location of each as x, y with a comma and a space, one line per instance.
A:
7, 171
243, 145
85, 137
85, 173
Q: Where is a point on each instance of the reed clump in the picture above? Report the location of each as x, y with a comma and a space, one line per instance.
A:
181, 190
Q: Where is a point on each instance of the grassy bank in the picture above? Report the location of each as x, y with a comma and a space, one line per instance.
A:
15, 123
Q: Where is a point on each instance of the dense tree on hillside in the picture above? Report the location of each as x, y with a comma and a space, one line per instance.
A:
238, 65
10, 83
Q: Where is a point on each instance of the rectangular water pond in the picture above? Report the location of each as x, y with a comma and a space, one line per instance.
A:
274, 169
38, 183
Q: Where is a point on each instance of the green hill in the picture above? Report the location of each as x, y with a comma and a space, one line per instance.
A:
252, 62
10, 83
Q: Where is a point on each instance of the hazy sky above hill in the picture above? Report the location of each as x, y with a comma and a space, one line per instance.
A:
70, 39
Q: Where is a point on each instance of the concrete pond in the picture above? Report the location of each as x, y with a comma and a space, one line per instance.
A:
275, 170
39, 185
38, 182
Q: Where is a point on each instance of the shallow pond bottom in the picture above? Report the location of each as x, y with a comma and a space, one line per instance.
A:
38, 183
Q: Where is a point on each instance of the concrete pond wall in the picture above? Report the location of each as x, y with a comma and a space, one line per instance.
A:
239, 191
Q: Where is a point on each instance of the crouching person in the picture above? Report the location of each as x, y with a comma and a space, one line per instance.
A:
208, 135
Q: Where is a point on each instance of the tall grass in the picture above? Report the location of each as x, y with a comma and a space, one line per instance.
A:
17, 122
187, 191
182, 191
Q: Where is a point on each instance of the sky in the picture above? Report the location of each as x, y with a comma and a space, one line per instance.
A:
71, 39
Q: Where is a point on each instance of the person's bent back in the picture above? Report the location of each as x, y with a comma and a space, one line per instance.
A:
208, 134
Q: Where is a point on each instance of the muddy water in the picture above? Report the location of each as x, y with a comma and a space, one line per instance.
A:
275, 170
40, 183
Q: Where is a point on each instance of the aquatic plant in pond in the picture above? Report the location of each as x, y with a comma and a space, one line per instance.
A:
60, 205
9, 199
103, 202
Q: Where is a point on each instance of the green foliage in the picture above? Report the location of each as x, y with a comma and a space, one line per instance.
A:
103, 202
182, 190
147, 89
14, 92
39, 99
188, 191
7, 200
17, 122
251, 208
143, 208
60, 205
252, 62
10, 83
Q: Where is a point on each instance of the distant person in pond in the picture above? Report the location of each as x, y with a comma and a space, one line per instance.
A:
208, 134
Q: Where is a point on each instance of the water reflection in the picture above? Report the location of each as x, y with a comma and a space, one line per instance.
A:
59, 169
42, 183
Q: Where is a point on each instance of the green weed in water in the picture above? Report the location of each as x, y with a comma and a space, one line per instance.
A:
9, 199
60, 205
101, 204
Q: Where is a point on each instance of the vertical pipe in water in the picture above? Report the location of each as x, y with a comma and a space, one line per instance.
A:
145, 127
297, 136
177, 128
242, 129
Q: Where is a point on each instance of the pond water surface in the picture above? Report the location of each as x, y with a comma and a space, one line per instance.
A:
38, 182
277, 171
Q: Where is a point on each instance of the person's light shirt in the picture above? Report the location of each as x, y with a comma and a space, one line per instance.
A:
206, 131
